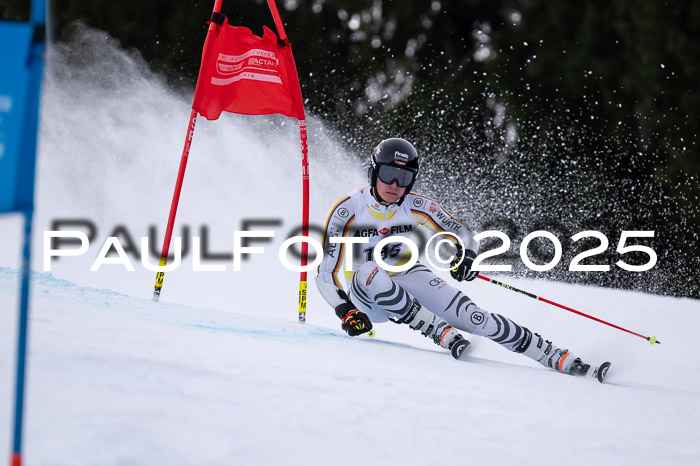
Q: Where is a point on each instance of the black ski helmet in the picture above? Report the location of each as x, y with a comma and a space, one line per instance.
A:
394, 152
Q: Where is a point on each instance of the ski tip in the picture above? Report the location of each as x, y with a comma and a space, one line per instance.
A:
602, 371
460, 348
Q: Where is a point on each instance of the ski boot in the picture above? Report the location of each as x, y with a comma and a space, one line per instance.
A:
432, 326
579, 368
544, 352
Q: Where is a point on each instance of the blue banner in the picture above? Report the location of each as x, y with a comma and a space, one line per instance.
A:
20, 83
21, 49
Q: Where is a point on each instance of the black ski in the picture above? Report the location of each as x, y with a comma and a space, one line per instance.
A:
601, 372
581, 369
459, 348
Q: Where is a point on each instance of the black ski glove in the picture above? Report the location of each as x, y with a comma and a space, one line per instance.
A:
354, 322
463, 271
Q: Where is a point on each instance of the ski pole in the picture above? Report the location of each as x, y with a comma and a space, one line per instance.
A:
651, 340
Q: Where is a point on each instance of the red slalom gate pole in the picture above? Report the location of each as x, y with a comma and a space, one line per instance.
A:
305, 172
174, 203
651, 340
178, 186
305, 220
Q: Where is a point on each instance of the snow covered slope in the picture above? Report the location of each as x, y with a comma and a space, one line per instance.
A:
115, 379
219, 372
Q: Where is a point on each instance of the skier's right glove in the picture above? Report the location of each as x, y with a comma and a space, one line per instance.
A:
462, 269
354, 322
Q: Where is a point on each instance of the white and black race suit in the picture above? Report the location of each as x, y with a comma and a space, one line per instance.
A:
383, 295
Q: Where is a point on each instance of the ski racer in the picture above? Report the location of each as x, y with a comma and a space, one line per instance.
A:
416, 297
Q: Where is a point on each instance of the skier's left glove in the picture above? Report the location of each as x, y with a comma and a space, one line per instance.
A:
463, 270
354, 322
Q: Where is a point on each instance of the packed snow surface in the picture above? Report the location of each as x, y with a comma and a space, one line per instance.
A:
220, 372
117, 379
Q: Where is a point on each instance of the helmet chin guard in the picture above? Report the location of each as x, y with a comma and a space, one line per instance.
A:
394, 152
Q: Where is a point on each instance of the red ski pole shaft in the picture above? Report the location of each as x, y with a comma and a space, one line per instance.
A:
651, 340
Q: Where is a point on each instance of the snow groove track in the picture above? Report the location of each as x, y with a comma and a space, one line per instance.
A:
115, 379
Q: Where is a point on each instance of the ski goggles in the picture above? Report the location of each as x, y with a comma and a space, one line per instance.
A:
390, 173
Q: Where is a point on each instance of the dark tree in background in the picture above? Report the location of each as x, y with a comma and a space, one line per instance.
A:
563, 116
